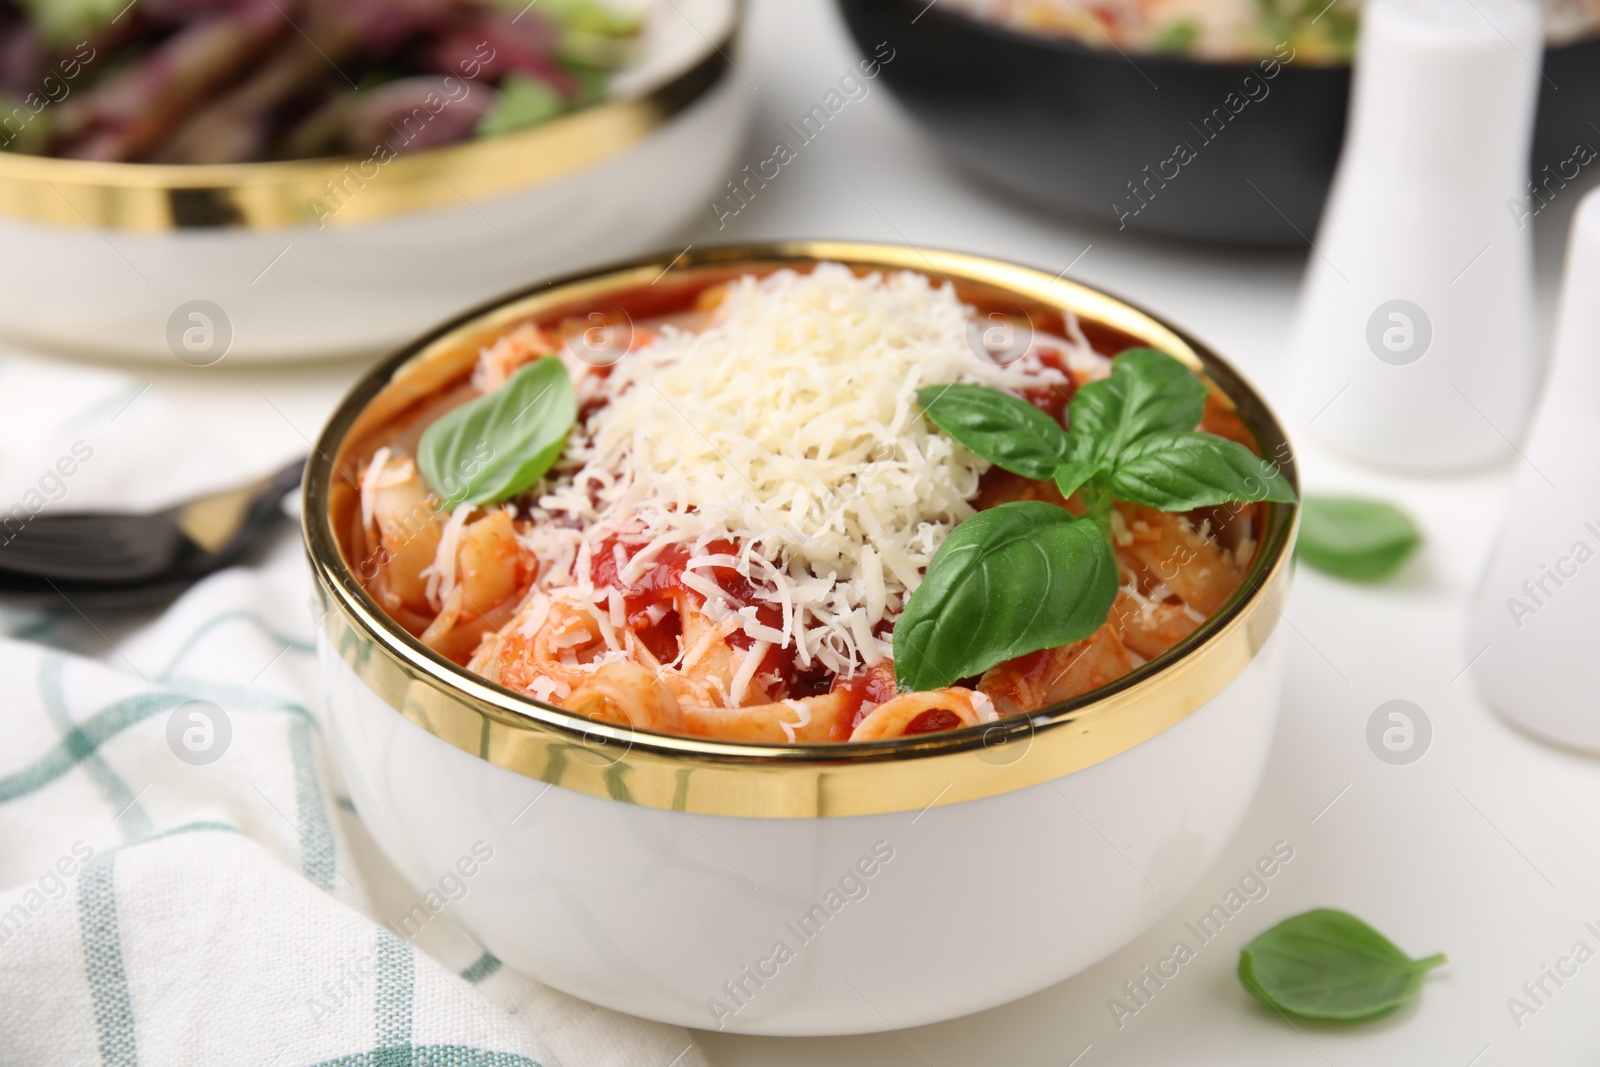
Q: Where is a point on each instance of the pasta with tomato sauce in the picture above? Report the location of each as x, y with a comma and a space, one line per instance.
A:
747, 498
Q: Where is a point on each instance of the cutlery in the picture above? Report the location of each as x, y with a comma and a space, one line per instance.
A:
124, 558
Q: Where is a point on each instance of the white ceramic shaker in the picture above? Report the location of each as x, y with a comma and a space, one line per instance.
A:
1536, 627
1413, 345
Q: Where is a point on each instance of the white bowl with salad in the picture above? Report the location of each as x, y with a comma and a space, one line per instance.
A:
260, 179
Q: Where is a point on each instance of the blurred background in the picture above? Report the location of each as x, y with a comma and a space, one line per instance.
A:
1023, 130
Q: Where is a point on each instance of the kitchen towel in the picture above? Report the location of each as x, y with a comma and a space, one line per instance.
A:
182, 877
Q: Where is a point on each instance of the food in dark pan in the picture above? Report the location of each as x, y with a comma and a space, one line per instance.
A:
1215, 30
1216, 120
1320, 31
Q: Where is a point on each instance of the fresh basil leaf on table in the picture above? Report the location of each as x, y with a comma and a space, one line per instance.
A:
1010, 580
1360, 540
1328, 964
522, 426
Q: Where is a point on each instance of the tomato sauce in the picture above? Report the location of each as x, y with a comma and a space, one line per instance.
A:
874, 686
1029, 673
1053, 398
932, 721
662, 583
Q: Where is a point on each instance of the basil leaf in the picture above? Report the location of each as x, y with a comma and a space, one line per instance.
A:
1075, 473
1179, 471
1148, 392
1010, 580
1001, 428
1360, 540
498, 445
1327, 964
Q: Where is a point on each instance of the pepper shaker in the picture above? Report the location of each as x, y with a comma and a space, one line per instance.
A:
1534, 626
1413, 341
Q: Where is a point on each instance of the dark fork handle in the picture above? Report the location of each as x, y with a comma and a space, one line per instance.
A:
263, 506
38, 583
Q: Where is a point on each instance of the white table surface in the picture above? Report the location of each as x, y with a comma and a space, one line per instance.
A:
1485, 849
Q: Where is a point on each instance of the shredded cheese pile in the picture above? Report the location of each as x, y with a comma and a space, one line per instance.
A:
790, 427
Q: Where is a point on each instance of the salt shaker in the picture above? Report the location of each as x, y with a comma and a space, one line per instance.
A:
1534, 626
1413, 342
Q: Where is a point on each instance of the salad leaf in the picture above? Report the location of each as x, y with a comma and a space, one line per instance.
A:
519, 102
590, 16
494, 447
60, 21
33, 130
1328, 964
1178, 37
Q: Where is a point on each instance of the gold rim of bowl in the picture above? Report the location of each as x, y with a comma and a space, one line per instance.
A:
348, 190
714, 777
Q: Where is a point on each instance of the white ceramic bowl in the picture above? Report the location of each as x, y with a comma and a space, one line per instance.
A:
350, 256
794, 889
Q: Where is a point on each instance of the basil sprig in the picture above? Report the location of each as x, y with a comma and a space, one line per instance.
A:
492, 448
1328, 964
1133, 438
1358, 540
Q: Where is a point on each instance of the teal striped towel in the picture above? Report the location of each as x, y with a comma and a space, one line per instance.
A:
182, 880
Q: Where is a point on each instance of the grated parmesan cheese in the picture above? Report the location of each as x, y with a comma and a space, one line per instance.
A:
441, 573
788, 426
383, 471
802, 718
749, 660
984, 707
